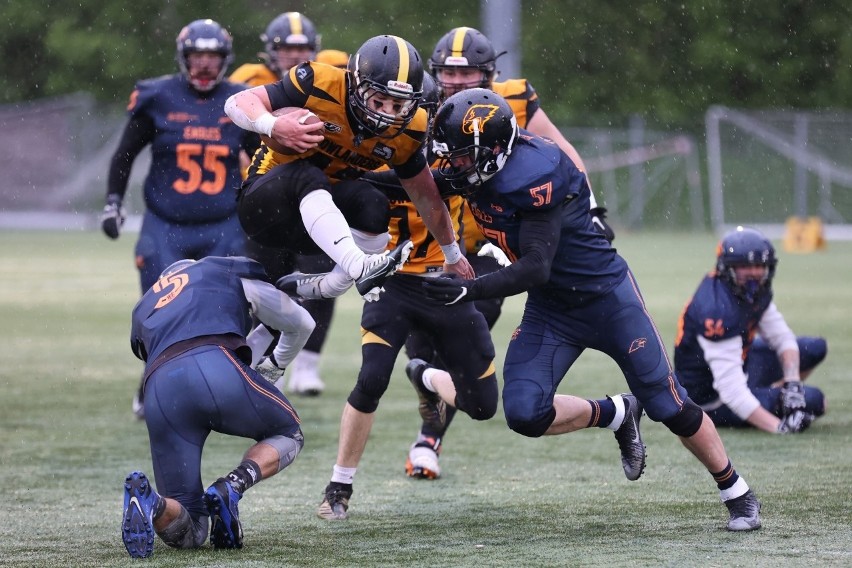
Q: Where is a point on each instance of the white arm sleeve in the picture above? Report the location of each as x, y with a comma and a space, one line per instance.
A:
725, 359
277, 310
262, 124
774, 329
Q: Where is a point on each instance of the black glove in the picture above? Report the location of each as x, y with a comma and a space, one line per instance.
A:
795, 422
448, 289
792, 397
269, 369
112, 217
599, 221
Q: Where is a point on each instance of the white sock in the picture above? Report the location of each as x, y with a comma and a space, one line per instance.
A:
328, 228
335, 282
738, 489
618, 400
343, 474
306, 361
370, 243
428, 374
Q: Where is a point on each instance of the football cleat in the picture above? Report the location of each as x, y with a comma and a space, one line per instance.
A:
302, 285
422, 462
221, 500
304, 375
381, 267
629, 438
744, 511
335, 502
137, 523
433, 410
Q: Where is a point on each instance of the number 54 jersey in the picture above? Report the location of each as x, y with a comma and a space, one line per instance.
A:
195, 170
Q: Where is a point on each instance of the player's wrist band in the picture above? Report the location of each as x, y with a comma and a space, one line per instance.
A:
264, 123
452, 253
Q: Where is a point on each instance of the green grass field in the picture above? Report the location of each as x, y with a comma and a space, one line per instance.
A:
68, 439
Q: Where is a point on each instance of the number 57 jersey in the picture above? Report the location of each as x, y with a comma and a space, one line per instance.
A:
195, 170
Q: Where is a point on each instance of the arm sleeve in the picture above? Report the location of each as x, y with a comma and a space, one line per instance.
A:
774, 329
275, 309
725, 360
538, 248
138, 133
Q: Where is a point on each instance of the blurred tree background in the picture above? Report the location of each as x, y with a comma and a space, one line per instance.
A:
591, 62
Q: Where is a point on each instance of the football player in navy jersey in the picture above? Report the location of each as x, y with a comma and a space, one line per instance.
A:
464, 58
311, 198
191, 187
192, 330
532, 202
735, 353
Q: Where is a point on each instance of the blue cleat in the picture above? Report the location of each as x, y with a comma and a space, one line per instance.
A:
221, 501
137, 524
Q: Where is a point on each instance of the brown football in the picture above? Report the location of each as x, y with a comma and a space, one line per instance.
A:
308, 118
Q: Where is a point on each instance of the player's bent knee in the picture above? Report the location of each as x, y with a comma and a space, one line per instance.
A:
686, 422
531, 428
287, 447
362, 402
183, 533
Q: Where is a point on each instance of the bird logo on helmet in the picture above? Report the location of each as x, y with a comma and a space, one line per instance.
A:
389, 66
746, 247
477, 124
204, 36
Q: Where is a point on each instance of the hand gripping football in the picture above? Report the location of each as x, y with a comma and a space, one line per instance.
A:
307, 117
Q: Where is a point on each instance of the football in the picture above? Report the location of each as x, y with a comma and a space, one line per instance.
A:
308, 118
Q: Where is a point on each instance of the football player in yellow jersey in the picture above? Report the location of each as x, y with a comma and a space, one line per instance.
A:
290, 39
312, 199
459, 332
464, 58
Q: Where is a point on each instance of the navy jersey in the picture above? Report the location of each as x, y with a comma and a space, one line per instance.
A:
539, 177
194, 302
195, 170
715, 313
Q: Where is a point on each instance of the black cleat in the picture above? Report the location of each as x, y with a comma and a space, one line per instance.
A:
745, 512
301, 285
630, 439
433, 410
382, 267
335, 502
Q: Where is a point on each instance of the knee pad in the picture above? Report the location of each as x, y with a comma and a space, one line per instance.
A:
287, 447
533, 428
686, 422
183, 533
361, 402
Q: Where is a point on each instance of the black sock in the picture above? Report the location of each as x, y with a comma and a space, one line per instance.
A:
244, 476
603, 412
726, 478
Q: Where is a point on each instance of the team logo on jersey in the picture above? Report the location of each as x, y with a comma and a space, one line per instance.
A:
383, 152
637, 344
331, 127
301, 72
476, 116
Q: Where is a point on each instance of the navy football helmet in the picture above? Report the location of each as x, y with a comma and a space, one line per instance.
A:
390, 66
290, 29
464, 48
177, 266
204, 36
478, 124
746, 247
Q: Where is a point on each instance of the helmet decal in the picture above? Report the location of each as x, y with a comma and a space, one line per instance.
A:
476, 117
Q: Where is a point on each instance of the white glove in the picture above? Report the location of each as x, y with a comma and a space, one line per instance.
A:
269, 369
496, 253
